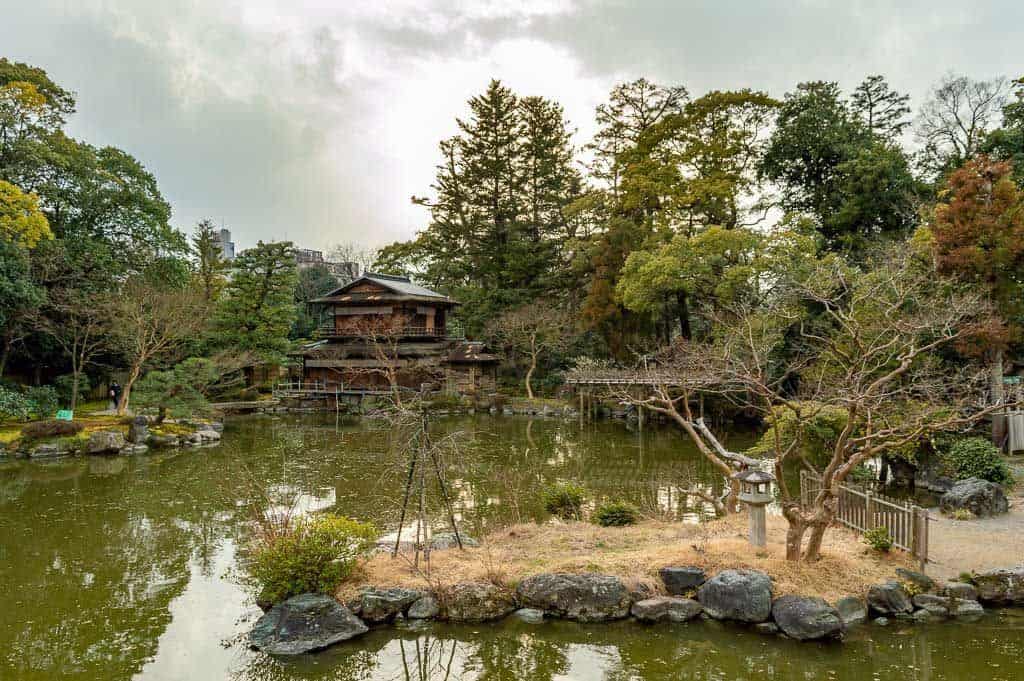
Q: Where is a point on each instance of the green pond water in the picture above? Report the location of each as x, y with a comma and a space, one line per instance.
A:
125, 567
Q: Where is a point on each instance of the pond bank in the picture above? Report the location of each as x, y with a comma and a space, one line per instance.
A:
108, 435
588, 575
636, 553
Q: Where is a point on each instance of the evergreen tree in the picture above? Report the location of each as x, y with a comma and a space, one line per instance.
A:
498, 229
210, 263
882, 110
258, 308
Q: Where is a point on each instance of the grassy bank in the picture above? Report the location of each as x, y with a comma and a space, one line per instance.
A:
637, 553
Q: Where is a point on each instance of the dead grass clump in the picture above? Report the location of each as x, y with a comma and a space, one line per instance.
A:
636, 554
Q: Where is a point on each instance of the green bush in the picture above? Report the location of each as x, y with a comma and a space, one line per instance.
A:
565, 501
616, 514
879, 539
65, 382
44, 401
14, 405
51, 428
314, 555
976, 457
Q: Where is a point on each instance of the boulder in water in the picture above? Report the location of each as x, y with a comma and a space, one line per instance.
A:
303, 624
742, 595
587, 598
477, 602
807, 618
666, 609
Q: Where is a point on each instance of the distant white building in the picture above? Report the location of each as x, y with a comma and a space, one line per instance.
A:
225, 244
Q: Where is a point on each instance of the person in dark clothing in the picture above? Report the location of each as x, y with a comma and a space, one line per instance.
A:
115, 393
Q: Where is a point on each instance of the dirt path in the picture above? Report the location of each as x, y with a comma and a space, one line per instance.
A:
956, 546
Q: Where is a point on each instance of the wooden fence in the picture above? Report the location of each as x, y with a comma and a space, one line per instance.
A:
862, 510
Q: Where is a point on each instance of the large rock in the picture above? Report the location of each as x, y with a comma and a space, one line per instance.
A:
138, 430
208, 435
922, 581
852, 610
743, 595
889, 599
477, 602
682, 580
961, 590
962, 609
105, 442
666, 608
446, 540
937, 606
806, 618
1005, 586
383, 605
980, 497
303, 624
425, 608
587, 598
163, 440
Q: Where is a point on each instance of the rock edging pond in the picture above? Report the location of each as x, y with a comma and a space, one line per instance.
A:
311, 622
139, 437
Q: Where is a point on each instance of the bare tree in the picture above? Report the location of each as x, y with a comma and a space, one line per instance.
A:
534, 330
352, 252
869, 354
952, 124
81, 325
152, 322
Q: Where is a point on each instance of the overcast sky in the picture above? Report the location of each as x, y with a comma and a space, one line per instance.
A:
316, 120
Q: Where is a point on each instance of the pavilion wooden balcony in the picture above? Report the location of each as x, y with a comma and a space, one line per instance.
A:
385, 334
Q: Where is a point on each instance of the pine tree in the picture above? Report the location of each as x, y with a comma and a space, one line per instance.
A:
258, 308
883, 110
210, 263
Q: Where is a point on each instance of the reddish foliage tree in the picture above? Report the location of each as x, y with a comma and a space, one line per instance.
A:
979, 236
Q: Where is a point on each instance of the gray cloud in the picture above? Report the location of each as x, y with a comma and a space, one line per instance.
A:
316, 122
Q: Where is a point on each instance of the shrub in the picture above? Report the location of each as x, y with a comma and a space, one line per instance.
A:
51, 428
314, 555
976, 457
565, 501
616, 514
879, 539
14, 405
962, 514
44, 400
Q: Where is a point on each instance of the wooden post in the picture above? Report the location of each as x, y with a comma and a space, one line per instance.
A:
869, 510
920, 534
581, 404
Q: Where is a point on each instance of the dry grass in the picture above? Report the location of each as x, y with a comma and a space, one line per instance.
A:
637, 553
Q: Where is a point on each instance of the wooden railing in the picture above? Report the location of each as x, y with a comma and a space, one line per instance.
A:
385, 332
862, 510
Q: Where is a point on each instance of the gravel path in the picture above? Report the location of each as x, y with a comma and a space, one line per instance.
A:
956, 546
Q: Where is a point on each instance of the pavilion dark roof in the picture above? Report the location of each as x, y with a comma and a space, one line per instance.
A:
398, 289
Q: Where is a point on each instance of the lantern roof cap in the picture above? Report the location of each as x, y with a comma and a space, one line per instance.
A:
754, 475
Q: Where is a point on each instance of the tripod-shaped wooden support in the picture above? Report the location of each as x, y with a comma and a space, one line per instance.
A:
423, 454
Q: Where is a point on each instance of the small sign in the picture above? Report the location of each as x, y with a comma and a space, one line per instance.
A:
1011, 380
65, 415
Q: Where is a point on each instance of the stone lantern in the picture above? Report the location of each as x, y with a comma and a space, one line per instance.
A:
756, 493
